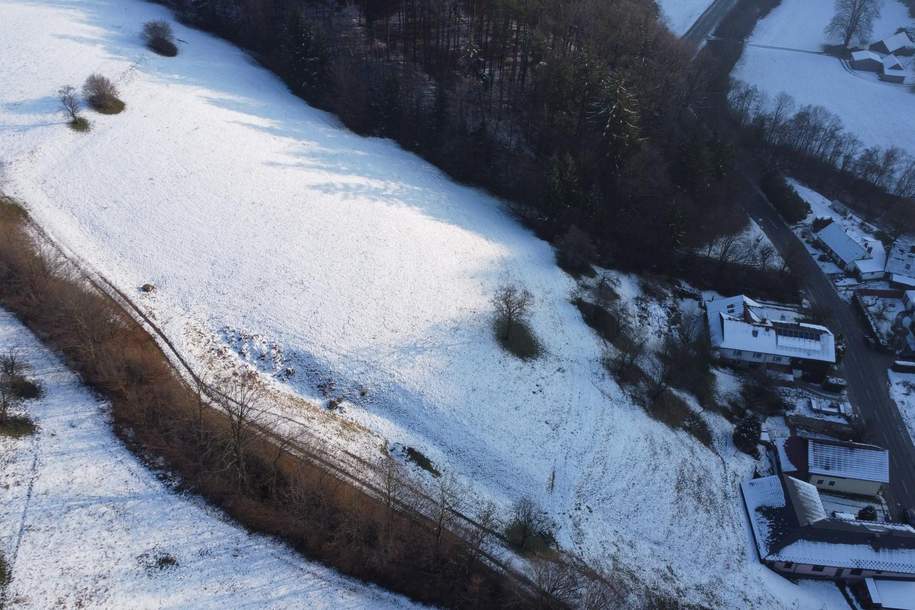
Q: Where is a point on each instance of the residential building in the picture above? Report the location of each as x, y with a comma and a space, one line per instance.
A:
744, 330
835, 466
840, 247
794, 535
892, 71
900, 262
867, 61
892, 44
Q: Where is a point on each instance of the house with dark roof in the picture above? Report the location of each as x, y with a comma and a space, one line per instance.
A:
794, 535
835, 466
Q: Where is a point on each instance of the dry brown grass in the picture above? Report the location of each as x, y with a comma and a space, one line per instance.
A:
160, 416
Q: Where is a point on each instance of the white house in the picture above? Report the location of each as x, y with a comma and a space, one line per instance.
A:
892, 44
744, 330
794, 535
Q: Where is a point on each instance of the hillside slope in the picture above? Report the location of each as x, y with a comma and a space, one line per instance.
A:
328, 259
86, 525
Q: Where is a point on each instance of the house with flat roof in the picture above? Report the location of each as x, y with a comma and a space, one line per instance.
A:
794, 535
755, 332
835, 466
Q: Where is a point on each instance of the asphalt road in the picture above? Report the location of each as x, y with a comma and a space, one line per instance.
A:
864, 368
708, 21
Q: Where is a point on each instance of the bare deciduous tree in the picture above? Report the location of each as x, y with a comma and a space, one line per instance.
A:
240, 400
854, 19
512, 305
69, 102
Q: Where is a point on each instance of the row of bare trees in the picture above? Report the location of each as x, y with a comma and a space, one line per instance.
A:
816, 133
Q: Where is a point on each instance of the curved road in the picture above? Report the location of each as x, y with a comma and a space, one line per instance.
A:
864, 368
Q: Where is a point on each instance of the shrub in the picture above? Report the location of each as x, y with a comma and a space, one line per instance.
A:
4, 572
868, 513
80, 124
530, 530
23, 388
759, 395
575, 252
70, 106
512, 306
747, 433
420, 459
670, 409
16, 426
159, 38
102, 95
785, 199
820, 223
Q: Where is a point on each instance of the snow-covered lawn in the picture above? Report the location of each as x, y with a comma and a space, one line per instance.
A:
84, 524
902, 389
680, 15
878, 113
265, 225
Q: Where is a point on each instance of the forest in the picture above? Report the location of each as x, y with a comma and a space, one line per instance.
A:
580, 113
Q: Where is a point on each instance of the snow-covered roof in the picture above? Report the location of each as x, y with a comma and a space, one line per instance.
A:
901, 258
862, 55
740, 323
897, 41
840, 244
848, 460
891, 594
806, 501
825, 541
891, 62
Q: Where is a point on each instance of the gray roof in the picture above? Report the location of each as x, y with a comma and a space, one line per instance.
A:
848, 460
843, 246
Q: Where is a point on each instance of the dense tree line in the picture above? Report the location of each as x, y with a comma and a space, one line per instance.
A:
580, 111
815, 133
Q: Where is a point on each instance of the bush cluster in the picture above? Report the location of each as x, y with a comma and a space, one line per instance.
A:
785, 199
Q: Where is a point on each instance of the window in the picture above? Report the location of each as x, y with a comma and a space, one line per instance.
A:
856, 572
757, 355
832, 483
788, 565
818, 568
819, 481
737, 352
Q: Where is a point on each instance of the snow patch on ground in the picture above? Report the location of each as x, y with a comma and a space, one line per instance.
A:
878, 113
84, 524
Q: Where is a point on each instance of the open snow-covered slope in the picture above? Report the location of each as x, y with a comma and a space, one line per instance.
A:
83, 524
878, 113
265, 225
680, 15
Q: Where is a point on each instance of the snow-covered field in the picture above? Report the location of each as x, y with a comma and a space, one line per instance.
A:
680, 15
265, 225
84, 524
878, 113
